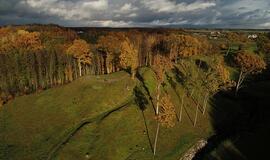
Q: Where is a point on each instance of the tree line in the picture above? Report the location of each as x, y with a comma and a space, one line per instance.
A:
34, 58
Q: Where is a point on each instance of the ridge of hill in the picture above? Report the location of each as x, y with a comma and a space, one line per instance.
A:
97, 117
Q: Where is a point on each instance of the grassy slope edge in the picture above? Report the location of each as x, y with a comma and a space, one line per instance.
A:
34, 125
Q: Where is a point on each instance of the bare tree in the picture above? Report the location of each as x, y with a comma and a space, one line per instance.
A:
196, 115
181, 108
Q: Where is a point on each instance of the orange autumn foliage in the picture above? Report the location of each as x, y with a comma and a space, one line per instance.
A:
161, 64
29, 41
182, 46
128, 56
20, 41
80, 49
250, 63
223, 72
166, 116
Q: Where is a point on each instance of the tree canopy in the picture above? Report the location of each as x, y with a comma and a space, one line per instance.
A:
129, 56
249, 62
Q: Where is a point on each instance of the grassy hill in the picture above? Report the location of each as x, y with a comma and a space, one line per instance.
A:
32, 125
96, 118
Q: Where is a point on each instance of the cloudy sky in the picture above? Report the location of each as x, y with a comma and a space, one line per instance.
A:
139, 13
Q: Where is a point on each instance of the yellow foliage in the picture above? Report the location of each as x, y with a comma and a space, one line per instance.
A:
129, 55
19, 41
167, 115
186, 45
161, 64
250, 63
29, 41
223, 72
110, 44
80, 50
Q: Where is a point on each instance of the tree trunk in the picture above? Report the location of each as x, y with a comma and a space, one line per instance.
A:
133, 74
105, 63
147, 59
240, 80
176, 60
228, 51
181, 109
158, 95
157, 112
204, 103
196, 116
80, 67
156, 139
107, 69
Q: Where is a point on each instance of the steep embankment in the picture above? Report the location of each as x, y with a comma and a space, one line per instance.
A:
129, 133
96, 118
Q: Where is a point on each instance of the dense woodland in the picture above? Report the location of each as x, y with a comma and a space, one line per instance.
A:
37, 57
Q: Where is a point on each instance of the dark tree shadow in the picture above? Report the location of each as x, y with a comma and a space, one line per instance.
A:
243, 121
140, 98
229, 59
142, 102
174, 84
190, 119
140, 78
179, 76
202, 65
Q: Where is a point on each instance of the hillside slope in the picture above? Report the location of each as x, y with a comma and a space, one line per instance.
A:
32, 125
96, 117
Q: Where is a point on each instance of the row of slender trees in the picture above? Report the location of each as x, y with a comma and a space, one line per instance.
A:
30, 61
39, 57
211, 81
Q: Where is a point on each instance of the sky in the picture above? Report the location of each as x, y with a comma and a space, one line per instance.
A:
139, 13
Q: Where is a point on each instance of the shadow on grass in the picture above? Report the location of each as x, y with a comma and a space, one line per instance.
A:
190, 119
140, 78
142, 102
241, 125
174, 84
229, 59
179, 76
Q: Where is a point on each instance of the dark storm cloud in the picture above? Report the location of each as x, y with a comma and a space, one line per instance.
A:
125, 13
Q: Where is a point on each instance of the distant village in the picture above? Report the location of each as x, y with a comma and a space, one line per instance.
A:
217, 35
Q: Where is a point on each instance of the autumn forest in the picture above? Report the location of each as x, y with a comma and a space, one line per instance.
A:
186, 85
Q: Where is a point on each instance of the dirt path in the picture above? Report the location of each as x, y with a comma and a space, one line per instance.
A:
84, 122
105, 79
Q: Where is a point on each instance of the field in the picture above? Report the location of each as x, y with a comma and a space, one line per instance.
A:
101, 122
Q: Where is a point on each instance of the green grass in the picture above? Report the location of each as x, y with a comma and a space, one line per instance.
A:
34, 125
123, 135
149, 79
252, 47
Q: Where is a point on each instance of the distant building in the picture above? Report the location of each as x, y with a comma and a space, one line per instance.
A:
252, 36
80, 32
214, 35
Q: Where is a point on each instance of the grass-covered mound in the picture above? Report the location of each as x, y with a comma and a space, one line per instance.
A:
129, 133
31, 126
98, 117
